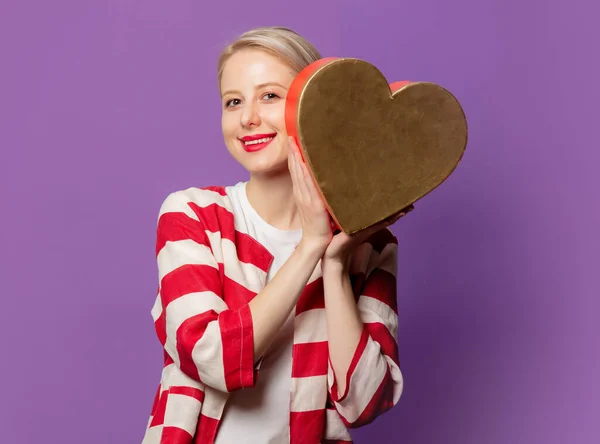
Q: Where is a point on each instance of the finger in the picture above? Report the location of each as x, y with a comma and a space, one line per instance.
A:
293, 167
294, 148
394, 218
309, 185
299, 180
302, 173
383, 224
365, 234
307, 180
290, 160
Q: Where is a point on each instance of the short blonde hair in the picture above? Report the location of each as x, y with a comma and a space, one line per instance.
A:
287, 45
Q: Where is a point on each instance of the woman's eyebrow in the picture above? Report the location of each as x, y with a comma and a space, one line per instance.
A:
262, 85
230, 92
259, 86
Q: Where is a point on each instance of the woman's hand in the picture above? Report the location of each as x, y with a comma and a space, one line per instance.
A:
317, 231
342, 245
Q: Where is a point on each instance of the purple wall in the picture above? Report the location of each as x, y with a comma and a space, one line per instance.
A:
107, 106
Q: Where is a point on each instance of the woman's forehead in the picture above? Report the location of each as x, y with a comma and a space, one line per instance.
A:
248, 68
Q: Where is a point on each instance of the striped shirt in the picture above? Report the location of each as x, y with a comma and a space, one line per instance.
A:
209, 268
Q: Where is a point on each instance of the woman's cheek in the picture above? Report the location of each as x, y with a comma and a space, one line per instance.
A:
275, 115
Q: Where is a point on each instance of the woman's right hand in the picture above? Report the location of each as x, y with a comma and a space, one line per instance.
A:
317, 230
273, 305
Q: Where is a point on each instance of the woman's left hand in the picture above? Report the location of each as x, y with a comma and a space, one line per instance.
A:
342, 245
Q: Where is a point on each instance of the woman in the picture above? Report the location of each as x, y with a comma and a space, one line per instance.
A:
275, 329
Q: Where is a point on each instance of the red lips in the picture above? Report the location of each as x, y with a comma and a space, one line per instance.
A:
256, 146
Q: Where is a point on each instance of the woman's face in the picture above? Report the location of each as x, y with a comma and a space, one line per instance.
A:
254, 86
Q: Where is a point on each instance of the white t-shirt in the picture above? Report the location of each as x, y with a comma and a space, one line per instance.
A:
260, 415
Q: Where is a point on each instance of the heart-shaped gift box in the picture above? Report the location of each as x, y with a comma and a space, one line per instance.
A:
372, 148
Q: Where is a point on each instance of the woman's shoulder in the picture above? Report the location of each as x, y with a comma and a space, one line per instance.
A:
192, 199
201, 196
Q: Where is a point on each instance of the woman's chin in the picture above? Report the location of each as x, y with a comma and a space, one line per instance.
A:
268, 168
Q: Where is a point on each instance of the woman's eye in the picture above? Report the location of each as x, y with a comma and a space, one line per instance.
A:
270, 96
232, 102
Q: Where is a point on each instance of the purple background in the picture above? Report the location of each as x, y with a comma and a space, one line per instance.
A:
108, 106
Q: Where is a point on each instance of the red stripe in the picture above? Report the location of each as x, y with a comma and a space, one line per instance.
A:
238, 356
382, 401
362, 343
216, 218
188, 334
175, 226
380, 334
179, 226
206, 430
190, 278
309, 359
159, 414
175, 435
250, 251
216, 189
235, 295
307, 427
184, 280
188, 391
312, 297
155, 402
381, 285
168, 360
161, 328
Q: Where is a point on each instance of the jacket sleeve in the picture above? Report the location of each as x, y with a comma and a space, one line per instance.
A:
374, 382
205, 339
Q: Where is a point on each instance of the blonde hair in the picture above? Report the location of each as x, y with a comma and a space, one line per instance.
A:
287, 45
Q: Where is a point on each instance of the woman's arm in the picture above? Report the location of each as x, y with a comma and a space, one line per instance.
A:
209, 342
344, 326
272, 306
204, 338
362, 324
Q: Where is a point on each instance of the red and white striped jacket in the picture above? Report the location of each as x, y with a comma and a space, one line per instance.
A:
209, 269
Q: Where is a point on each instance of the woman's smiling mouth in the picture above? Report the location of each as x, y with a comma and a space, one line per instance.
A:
256, 142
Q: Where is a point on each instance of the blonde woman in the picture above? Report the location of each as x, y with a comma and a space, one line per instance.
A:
275, 329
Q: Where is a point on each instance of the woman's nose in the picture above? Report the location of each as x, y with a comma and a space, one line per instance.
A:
250, 115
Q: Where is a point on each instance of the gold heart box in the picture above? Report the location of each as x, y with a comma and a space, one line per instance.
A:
372, 148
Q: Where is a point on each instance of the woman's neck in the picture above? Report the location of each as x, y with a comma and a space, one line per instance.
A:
273, 199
